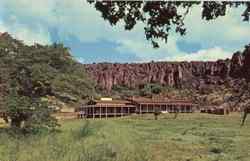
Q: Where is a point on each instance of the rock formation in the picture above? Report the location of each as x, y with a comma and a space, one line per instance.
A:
175, 74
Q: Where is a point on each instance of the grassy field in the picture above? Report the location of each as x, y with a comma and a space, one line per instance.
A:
190, 137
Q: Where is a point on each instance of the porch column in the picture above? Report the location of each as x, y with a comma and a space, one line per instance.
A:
93, 112
100, 112
140, 109
106, 110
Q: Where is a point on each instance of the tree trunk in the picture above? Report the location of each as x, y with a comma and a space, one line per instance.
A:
156, 116
5, 118
244, 117
176, 114
15, 123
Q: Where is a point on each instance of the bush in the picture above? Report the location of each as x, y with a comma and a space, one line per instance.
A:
150, 89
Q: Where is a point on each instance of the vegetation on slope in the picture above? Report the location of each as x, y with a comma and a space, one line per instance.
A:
49, 69
29, 75
147, 90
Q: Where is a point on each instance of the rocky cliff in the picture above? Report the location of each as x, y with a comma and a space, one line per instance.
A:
174, 74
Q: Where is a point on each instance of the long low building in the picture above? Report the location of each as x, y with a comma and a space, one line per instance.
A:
215, 110
107, 107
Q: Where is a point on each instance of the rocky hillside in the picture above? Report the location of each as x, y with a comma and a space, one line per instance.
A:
173, 74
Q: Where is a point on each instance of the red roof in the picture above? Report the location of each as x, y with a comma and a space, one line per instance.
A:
131, 102
107, 105
160, 101
111, 102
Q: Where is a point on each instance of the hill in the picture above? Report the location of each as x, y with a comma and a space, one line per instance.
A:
43, 71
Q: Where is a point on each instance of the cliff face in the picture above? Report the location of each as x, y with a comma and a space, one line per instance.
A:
174, 74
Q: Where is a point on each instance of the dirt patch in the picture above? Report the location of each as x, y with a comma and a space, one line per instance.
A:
65, 115
2, 123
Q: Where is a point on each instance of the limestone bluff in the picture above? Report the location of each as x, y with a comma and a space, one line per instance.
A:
175, 74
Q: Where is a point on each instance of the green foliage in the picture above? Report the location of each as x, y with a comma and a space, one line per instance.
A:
30, 73
43, 70
73, 83
123, 91
150, 89
28, 114
162, 18
17, 108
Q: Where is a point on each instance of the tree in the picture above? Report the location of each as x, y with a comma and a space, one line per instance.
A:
29, 75
238, 89
160, 17
151, 89
239, 96
157, 112
28, 83
28, 114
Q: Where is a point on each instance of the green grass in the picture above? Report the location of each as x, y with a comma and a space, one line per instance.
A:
190, 137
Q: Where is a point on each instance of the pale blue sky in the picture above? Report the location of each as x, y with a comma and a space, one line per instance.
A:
91, 39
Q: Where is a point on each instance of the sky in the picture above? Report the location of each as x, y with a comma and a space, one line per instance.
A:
91, 39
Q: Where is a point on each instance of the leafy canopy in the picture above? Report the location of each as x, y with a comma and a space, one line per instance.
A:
29, 74
160, 17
